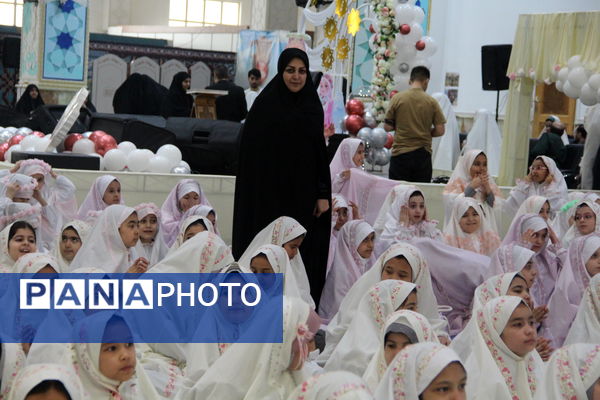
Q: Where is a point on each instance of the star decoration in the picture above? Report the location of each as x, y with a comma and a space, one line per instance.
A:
342, 49
341, 7
353, 22
64, 40
66, 6
327, 58
330, 27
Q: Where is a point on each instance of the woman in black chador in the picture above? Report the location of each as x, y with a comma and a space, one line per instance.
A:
178, 103
283, 169
30, 100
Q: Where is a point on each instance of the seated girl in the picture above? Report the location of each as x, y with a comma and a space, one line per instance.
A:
16, 240
271, 258
586, 325
203, 211
16, 192
342, 212
69, 242
105, 191
349, 155
151, 244
332, 385
51, 381
586, 221
188, 228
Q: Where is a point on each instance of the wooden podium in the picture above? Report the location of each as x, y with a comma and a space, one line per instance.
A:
205, 103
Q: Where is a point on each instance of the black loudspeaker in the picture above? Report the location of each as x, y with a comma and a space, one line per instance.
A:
60, 160
494, 63
11, 52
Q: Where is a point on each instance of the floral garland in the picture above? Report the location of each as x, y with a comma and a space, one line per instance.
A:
383, 81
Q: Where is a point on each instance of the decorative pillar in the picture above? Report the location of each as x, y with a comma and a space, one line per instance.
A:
259, 15
54, 48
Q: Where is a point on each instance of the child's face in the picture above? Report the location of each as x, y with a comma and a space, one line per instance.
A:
292, 247
539, 171
117, 361
192, 231
23, 242
479, 166
470, 221
188, 201
260, 265
212, 218
398, 269
518, 287
359, 156
50, 394
529, 272
70, 244
449, 384
539, 240
342, 218
519, 334
585, 220
112, 194
593, 264
148, 227
129, 231
394, 343
416, 209
545, 211
410, 303
365, 248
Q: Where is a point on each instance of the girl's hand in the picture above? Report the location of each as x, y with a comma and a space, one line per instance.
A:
139, 266
321, 207
355, 212
404, 217
540, 313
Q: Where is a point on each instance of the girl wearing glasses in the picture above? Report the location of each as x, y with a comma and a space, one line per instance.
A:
586, 221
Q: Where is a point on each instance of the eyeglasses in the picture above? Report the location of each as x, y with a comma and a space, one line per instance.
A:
537, 168
587, 217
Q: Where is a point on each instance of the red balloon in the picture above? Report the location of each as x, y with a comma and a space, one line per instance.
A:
393, 93
354, 123
71, 139
105, 143
38, 133
405, 29
390, 141
96, 135
3, 148
15, 140
420, 45
355, 107
372, 28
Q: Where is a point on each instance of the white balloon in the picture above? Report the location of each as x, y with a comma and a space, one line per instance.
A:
424, 62
42, 143
84, 146
29, 141
419, 15
430, 47
416, 32
577, 77
574, 62
7, 155
571, 90
563, 74
115, 160
24, 131
588, 96
160, 165
405, 14
405, 51
11, 129
126, 147
171, 153
594, 81
137, 161
559, 86
86, 134
184, 164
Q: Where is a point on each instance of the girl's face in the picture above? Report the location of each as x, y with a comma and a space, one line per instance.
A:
185, 84
538, 170
359, 156
40, 180
192, 231
529, 272
539, 240
342, 218
416, 209
291, 247
50, 394
148, 227
394, 343
23, 242
365, 248
188, 201
260, 265
479, 166
596, 390
70, 244
294, 75
212, 217
519, 334
470, 221
129, 230
545, 211
112, 194
449, 384
410, 303
593, 264
398, 269
585, 220
47, 269
117, 361
518, 287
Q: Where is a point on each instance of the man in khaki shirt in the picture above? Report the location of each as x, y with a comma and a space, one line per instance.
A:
416, 118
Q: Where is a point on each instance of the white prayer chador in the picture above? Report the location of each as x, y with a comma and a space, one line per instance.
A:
361, 340
6, 261
586, 326
12, 361
425, 296
446, 148
155, 251
573, 232
279, 232
93, 202
413, 370
104, 247
571, 373
203, 211
204, 253
184, 225
413, 320
494, 371
83, 229
32, 375
337, 385
249, 371
486, 135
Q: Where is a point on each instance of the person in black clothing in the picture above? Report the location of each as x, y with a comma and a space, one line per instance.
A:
139, 94
231, 107
30, 100
178, 103
551, 145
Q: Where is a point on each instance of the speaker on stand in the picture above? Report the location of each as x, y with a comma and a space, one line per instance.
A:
494, 64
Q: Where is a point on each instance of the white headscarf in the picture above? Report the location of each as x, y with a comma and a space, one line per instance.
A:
486, 135
184, 225
495, 372
338, 385
32, 375
571, 372
449, 142
361, 340
343, 158
413, 320
413, 370
155, 251
12, 361
389, 214
204, 253
14, 211
32, 263
93, 202
203, 211
425, 296
280, 262
573, 232
6, 261
533, 205
279, 232
586, 326
104, 247
83, 230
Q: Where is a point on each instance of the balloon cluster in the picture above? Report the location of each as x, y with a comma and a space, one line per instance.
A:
357, 117
576, 81
18, 139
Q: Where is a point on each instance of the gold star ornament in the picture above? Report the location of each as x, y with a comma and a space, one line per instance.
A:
353, 22
342, 49
341, 7
327, 58
331, 29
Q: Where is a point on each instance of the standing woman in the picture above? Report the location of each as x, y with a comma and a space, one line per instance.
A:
177, 103
283, 168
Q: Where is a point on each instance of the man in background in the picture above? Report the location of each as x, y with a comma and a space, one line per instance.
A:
254, 89
231, 107
551, 145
